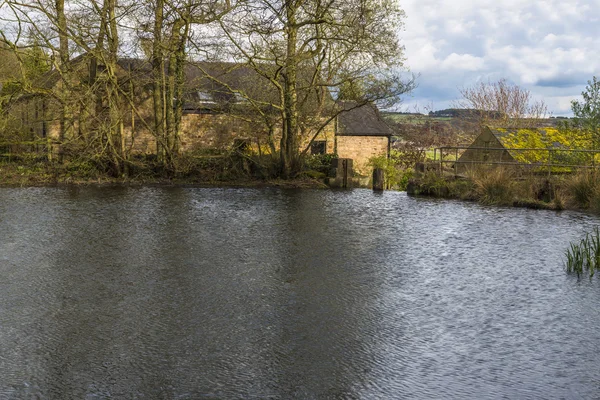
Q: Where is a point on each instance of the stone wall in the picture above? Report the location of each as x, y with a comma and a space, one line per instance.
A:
361, 149
327, 135
37, 117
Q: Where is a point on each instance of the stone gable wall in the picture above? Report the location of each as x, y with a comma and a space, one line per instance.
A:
361, 149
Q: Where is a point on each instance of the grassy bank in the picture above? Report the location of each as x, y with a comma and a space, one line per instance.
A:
199, 171
578, 191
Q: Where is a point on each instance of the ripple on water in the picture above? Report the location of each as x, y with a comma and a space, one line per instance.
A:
264, 293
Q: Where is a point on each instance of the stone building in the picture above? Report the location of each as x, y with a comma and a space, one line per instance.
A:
486, 148
531, 147
361, 134
222, 102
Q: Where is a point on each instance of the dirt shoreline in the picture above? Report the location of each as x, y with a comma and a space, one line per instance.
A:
48, 175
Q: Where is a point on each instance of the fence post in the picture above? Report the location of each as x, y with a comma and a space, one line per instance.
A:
378, 179
455, 162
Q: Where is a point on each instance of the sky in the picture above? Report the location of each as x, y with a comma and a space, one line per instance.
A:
549, 47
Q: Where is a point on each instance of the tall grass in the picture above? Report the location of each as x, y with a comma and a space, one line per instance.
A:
582, 187
584, 256
494, 186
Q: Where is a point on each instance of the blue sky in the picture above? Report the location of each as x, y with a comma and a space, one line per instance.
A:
550, 47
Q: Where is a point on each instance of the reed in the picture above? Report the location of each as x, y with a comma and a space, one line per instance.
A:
584, 257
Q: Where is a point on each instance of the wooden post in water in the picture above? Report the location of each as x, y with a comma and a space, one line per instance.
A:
378, 179
341, 173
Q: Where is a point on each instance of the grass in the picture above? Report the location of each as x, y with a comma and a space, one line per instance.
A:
584, 257
211, 170
498, 186
494, 187
582, 188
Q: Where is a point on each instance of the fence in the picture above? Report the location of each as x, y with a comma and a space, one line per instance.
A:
555, 160
10, 151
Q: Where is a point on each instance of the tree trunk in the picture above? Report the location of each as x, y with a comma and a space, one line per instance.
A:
175, 87
158, 82
114, 98
63, 49
289, 137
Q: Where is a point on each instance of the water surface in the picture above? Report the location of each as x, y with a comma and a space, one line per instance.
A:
175, 293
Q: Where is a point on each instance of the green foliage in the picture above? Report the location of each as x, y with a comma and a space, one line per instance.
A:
405, 177
319, 162
396, 177
314, 174
431, 184
584, 256
556, 141
407, 156
351, 90
27, 65
587, 112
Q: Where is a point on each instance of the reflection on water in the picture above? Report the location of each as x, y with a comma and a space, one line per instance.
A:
119, 292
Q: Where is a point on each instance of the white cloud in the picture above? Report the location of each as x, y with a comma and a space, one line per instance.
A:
465, 62
546, 46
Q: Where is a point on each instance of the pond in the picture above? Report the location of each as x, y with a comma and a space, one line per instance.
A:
175, 293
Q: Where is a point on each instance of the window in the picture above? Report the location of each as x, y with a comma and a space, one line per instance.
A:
486, 151
239, 98
318, 147
205, 97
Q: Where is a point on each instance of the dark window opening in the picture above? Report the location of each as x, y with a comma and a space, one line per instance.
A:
43, 129
241, 145
318, 147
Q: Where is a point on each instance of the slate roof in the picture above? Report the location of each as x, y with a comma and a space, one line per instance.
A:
221, 84
361, 121
217, 86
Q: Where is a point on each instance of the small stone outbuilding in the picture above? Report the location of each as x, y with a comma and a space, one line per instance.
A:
531, 147
488, 147
361, 134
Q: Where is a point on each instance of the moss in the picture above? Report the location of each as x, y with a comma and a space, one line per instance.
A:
314, 174
535, 204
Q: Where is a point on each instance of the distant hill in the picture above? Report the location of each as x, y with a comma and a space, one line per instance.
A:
465, 113
392, 113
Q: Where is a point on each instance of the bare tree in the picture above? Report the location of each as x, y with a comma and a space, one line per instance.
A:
503, 104
173, 22
310, 52
80, 37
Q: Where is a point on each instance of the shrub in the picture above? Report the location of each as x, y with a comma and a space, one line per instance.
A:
391, 173
463, 189
494, 187
582, 188
432, 184
319, 162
